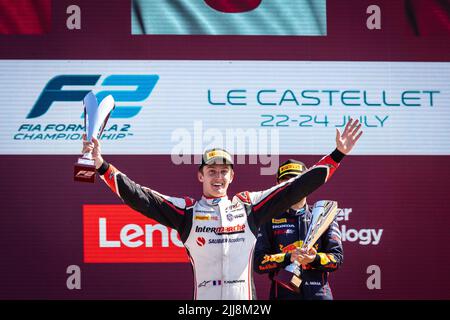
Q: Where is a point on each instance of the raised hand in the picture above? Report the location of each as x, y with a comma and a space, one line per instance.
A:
348, 139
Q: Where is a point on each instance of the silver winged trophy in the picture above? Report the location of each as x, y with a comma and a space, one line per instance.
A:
95, 118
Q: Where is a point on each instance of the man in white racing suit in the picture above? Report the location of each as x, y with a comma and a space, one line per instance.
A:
220, 233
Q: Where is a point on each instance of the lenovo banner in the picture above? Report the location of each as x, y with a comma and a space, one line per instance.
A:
116, 233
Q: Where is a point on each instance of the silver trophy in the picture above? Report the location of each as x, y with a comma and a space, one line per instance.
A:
95, 118
323, 214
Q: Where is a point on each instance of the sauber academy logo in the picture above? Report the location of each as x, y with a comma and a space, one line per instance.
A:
239, 228
116, 233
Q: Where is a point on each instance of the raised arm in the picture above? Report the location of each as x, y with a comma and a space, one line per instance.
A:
168, 211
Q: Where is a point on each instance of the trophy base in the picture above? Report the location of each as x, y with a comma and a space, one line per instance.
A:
288, 280
84, 170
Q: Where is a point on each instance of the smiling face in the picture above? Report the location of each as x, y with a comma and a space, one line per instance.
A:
215, 179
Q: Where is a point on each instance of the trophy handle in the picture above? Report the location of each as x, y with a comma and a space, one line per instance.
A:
290, 277
294, 268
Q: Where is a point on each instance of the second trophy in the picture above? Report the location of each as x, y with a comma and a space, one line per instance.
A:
323, 214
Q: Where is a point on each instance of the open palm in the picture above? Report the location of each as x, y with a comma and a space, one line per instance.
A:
348, 139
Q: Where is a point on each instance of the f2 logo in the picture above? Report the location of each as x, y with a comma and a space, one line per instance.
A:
85, 174
53, 92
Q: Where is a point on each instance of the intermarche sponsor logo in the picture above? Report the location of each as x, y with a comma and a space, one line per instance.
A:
118, 234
